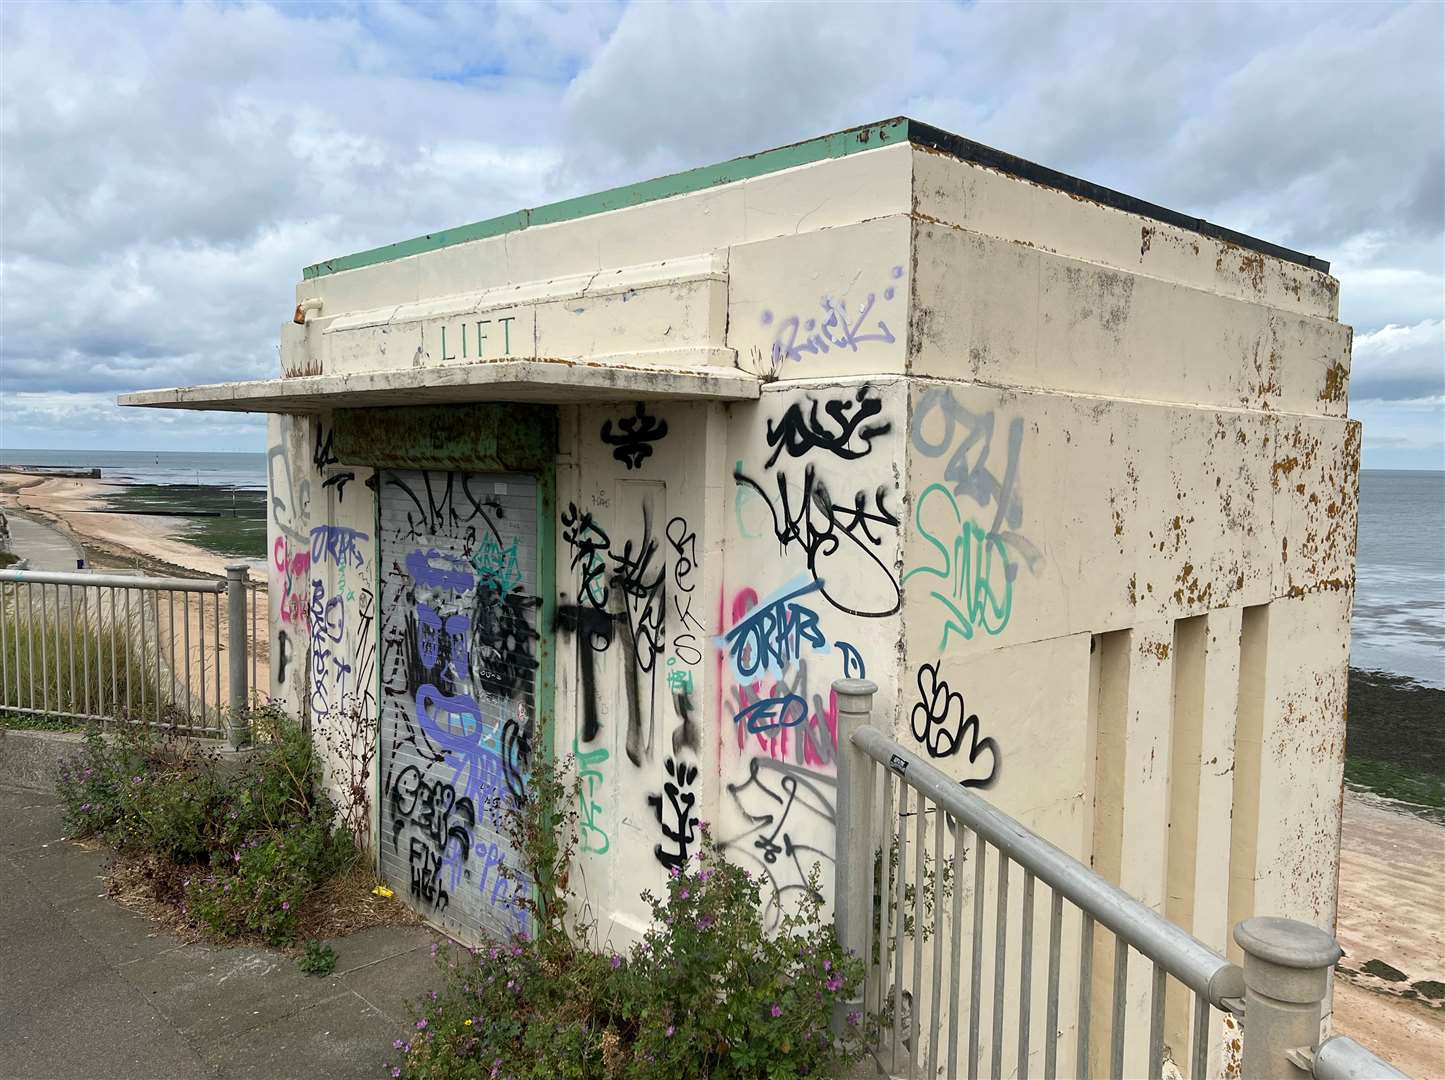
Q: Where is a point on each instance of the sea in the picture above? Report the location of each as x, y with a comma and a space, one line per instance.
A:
239, 470
1399, 617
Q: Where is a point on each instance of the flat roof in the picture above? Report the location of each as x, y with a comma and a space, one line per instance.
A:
561, 382
854, 140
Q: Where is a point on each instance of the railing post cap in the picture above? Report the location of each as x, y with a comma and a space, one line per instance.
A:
238, 569
855, 687
1287, 942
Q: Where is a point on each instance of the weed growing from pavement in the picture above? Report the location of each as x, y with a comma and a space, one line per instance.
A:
317, 959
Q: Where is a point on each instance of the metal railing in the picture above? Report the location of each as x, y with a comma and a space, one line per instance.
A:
1102, 1015
128, 648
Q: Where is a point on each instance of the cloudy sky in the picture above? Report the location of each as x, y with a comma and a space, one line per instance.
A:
166, 170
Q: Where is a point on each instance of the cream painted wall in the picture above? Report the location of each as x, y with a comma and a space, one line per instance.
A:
1075, 488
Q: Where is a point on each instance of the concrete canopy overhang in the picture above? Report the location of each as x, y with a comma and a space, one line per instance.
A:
540, 381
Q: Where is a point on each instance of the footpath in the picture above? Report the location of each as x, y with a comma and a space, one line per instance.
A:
89, 989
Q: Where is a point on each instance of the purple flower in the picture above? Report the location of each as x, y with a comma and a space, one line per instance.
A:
674, 872
396, 1044
616, 961
84, 807
827, 965
421, 1025
285, 905
853, 1018
433, 950
777, 1010
511, 983
835, 983
685, 893
670, 1030
135, 779
395, 1073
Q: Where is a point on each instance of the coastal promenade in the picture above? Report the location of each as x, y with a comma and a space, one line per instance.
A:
93, 989
43, 547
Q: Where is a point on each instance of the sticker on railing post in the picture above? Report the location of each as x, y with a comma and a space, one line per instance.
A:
897, 764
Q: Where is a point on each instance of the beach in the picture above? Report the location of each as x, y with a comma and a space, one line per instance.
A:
75, 506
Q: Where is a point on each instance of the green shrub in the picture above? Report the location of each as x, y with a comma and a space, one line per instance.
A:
258, 840
707, 992
259, 887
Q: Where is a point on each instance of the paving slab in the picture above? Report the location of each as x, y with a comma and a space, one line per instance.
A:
31, 820
379, 943
92, 1027
392, 984
116, 933
40, 948
335, 1039
213, 993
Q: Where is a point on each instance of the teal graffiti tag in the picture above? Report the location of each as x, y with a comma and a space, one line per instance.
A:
975, 570
594, 838
497, 567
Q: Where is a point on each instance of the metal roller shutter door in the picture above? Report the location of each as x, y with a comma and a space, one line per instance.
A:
459, 612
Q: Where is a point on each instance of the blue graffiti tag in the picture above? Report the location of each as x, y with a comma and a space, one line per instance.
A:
772, 635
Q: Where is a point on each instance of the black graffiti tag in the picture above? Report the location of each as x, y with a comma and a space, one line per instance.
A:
941, 722
633, 437
322, 456
589, 545
797, 433
682, 830
806, 515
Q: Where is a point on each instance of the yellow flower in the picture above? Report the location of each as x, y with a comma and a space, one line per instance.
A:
467, 1022
382, 890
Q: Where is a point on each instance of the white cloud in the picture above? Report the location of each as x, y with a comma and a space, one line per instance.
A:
169, 168
1401, 363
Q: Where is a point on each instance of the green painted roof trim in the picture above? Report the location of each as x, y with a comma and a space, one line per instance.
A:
839, 144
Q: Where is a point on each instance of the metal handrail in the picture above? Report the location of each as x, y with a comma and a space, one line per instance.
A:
1178, 952
134, 663
1341, 1058
115, 581
1276, 998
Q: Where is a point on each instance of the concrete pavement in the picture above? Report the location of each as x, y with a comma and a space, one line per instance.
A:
89, 989
45, 548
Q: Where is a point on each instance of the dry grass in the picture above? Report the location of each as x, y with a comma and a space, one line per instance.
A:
344, 905
347, 904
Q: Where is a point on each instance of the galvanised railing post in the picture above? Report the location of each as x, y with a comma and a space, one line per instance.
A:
1286, 977
236, 643
853, 857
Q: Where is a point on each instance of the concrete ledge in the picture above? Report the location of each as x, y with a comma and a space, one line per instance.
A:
32, 759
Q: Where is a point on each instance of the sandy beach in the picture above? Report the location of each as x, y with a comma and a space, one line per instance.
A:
70, 504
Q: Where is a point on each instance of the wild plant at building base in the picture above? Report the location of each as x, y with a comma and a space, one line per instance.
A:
707, 992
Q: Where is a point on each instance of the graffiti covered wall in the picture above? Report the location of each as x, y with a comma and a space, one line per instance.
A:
323, 606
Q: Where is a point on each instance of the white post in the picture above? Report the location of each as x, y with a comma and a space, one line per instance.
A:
1286, 977
853, 857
